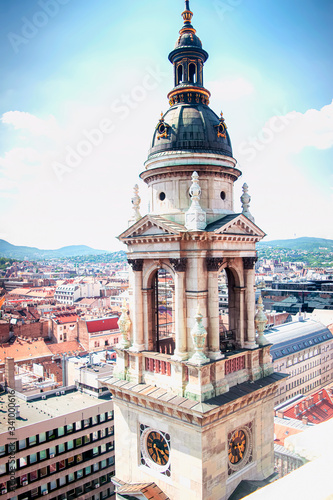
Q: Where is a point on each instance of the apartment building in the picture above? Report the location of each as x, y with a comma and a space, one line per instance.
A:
304, 350
60, 446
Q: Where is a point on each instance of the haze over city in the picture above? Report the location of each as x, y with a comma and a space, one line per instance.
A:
81, 91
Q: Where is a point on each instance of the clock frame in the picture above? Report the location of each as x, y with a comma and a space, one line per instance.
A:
155, 449
240, 448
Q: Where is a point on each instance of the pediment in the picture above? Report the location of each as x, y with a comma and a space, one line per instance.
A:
152, 225
240, 225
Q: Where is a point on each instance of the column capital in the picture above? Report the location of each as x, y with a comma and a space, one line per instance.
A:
137, 264
249, 262
214, 263
179, 265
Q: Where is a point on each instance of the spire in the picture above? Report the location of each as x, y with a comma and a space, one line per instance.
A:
187, 15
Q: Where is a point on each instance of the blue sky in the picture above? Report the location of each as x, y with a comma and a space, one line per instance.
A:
70, 65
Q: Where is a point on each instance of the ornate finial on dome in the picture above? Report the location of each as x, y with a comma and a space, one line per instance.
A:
195, 217
187, 14
198, 334
260, 321
136, 200
245, 199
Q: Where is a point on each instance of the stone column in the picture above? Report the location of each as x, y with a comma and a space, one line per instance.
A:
239, 298
213, 264
179, 266
138, 337
249, 280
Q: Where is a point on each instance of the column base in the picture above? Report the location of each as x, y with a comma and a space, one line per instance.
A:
250, 345
137, 348
179, 356
215, 355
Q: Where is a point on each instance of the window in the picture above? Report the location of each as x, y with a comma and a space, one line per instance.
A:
78, 425
96, 467
2, 450
52, 451
69, 428
78, 442
61, 465
22, 444
53, 468
51, 435
87, 470
53, 485
103, 464
62, 480
34, 492
79, 458
103, 432
79, 474
70, 461
70, 445
2, 469
44, 488
33, 458
94, 420
87, 438
86, 422
23, 461
95, 451
61, 448
61, 431
102, 417
103, 448
42, 437
71, 477
42, 455
43, 472
32, 440
94, 435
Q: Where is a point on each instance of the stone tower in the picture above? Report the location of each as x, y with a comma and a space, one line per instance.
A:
193, 400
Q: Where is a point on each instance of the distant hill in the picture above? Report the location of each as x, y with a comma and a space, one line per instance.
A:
33, 253
305, 243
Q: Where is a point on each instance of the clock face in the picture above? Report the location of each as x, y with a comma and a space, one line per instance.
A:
157, 448
237, 446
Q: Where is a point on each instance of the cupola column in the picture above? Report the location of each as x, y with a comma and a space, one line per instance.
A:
179, 266
137, 307
249, 281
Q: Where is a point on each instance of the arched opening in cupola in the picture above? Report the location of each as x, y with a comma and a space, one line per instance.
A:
163, 321
180, 74
192, 73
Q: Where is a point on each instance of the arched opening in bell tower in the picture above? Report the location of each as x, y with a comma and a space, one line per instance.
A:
179, 74
228, 310
163, 307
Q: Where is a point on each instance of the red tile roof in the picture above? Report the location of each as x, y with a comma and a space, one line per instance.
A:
68, 347
102, 325
21, 350
316, 408
66, 318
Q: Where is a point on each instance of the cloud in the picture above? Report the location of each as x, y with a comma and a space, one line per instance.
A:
30, 123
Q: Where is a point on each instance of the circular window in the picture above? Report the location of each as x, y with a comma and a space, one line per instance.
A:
222, 195
161, 128
162, 196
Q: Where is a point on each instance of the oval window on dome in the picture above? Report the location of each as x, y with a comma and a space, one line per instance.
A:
162, 196
223, 195
161, 128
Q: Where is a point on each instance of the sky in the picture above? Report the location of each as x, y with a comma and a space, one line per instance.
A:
83, 84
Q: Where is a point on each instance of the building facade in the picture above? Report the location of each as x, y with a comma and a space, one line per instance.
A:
62, 448
303, 350
193, 417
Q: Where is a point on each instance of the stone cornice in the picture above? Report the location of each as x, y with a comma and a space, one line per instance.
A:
187, 414
190, 236
186, 171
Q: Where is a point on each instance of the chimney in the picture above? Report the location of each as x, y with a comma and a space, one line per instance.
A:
305, 420
10, 373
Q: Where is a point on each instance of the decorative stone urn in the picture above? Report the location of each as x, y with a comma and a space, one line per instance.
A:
124, 324
260, 321
199, 335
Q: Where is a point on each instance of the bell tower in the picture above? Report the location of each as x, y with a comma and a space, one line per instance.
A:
193, 397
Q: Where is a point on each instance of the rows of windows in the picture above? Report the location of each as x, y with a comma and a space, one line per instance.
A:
47, 436
61, 448
77, 492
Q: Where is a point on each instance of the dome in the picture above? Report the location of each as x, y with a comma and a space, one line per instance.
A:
188, 40
190, 127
